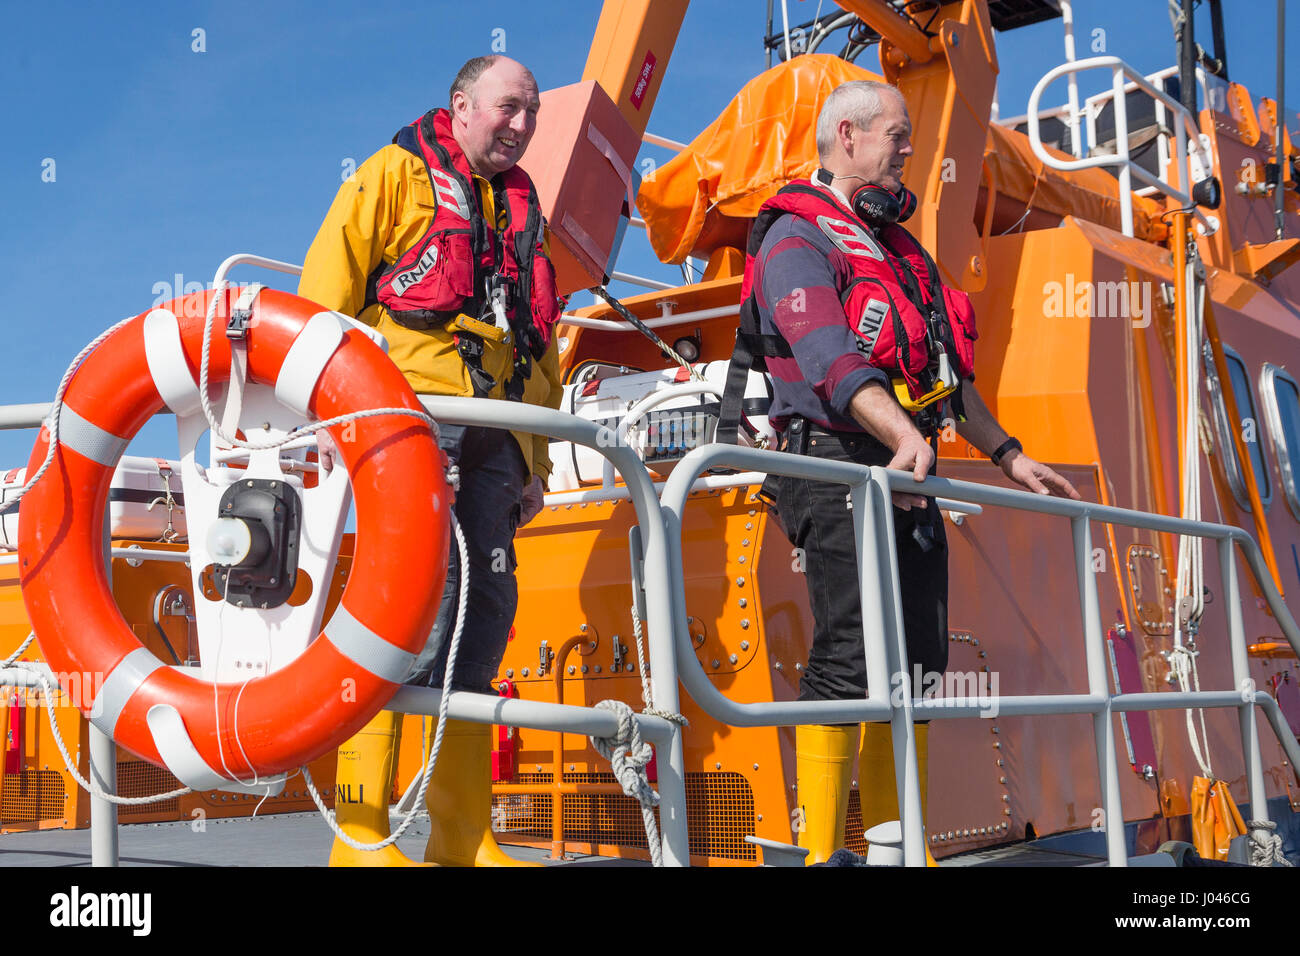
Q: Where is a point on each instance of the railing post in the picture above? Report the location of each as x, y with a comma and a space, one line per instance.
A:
876, 571
103, 758
492, 413
103, 814
886, 594
1245, 685
1121, 148
1103, 726
674, 837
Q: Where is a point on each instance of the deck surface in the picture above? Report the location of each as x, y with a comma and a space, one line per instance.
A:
283, 839
302, 839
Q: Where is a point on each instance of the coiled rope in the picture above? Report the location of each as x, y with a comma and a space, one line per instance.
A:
628, 754
1265, 844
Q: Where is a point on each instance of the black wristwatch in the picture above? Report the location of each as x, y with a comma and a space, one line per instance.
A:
1001, 451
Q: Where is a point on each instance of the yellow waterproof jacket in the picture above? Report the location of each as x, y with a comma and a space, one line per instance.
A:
379, 213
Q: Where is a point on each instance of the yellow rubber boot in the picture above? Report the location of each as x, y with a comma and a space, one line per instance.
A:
823, 773
460, 800
877, 787
364, 780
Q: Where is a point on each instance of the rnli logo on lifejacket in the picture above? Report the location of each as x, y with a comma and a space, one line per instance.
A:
450, 195
873, 317
404, 281
850, 238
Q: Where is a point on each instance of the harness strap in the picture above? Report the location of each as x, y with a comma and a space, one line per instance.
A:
752, 350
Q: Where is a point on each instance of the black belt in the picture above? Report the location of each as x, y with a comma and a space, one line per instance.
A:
818, 431
800, 430
815, 430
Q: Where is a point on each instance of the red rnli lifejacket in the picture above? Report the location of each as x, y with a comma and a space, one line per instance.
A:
898, 309
447, 272
895, 303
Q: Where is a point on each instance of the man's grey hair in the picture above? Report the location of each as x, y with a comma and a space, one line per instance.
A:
859, 101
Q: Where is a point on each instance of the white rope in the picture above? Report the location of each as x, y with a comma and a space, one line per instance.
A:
95, 790
1189, 591
12, 662
18, 653
417, 806
216, 698
90, 786
56, 409
628, 755
1189, 594
1265, 845
647, 687
52, 424
1182, 661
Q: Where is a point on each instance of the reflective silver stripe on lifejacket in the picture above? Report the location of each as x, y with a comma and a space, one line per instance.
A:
88, 439
850, 237
447, 188
124, 680
364, 647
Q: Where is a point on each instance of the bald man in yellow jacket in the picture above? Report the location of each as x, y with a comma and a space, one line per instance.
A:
437, 241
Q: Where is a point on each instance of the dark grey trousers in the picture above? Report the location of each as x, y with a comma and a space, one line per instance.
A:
492, 474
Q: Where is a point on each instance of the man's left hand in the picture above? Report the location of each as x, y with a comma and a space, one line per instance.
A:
1036, 477
530, 503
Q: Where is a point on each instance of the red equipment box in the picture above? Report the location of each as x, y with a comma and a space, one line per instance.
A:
581, 161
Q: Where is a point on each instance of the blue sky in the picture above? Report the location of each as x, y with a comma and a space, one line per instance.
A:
167, 159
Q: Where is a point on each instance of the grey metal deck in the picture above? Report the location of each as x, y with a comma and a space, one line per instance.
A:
288, 839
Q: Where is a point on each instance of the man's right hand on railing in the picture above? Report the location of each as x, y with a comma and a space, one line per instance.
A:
876, 410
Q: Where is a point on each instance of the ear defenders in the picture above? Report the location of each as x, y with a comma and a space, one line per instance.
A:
875, 205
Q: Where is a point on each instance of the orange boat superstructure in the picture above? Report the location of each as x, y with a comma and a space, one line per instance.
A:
1079, 356
1076, 356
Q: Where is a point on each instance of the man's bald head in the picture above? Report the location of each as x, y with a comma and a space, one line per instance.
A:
473, 69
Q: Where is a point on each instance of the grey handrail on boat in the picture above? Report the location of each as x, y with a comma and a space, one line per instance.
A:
484, 708
672, 658
886, 650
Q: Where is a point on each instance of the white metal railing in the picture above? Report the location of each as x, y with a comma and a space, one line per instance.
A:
1125, 79
490, 708
1211, 92
663, 141
644, 282
248, 259
1051, 112
134, 553
667, 318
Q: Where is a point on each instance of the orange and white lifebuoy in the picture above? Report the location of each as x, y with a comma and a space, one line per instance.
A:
291, 715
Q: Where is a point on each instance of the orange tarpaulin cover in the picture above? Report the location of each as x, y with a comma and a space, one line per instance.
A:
707, 194
764, 138
1091, 194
